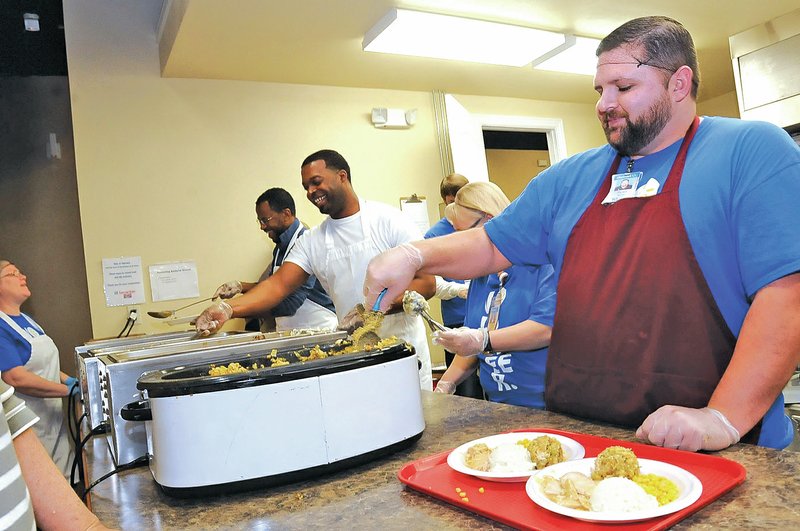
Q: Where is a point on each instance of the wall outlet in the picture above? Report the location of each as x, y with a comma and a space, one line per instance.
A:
130, 309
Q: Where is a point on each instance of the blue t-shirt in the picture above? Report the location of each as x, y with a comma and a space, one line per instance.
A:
452, 310
739, 203
514, 377
15, 351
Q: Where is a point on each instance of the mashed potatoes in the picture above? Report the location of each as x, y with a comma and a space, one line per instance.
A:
510, 459
617, 494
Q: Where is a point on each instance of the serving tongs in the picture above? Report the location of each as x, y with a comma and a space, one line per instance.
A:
415, 304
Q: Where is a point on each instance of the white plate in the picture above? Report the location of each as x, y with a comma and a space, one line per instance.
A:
689, 490
572, 450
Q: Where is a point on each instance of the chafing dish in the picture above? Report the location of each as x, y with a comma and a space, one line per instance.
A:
119, 369
212, 434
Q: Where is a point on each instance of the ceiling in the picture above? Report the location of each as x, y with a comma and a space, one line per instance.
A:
319, 42
32, 53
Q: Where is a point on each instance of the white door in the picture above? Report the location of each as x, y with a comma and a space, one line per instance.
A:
466, 141
466, 136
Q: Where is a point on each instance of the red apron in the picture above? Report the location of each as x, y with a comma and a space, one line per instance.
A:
636, 326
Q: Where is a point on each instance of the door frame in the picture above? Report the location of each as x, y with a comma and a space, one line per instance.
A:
552, 127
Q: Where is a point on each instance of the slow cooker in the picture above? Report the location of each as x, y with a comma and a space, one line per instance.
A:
280, 421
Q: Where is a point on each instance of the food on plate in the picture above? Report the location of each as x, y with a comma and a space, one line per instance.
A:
515, 457
544, 451
615, 494
662, 488
477, 457
615, 485
509, 459
615, 461
572, 490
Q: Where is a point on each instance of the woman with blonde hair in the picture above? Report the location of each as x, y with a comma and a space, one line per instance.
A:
508, 319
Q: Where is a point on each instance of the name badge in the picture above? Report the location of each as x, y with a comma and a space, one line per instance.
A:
623, 186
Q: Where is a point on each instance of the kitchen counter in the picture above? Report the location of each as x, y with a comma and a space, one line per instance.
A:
370, 496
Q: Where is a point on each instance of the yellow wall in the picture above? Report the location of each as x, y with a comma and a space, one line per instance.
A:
168, 169
724, 105
513, 169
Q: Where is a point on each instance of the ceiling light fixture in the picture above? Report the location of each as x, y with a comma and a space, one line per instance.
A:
576, 56
420, 34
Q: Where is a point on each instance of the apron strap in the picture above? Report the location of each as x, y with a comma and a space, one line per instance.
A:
18, 329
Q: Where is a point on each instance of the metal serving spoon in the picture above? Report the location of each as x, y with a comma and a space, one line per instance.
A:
365, 335
163, 314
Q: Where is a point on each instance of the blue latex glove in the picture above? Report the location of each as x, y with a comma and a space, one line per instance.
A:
73, 385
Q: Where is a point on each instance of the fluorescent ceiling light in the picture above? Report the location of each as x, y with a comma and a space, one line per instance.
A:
447, 37
577, 56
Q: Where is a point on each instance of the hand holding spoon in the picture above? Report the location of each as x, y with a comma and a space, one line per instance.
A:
163, 314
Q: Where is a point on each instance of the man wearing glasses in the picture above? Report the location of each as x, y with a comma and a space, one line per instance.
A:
677, 312
309, 306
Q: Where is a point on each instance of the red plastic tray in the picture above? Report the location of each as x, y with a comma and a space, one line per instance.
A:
509, 504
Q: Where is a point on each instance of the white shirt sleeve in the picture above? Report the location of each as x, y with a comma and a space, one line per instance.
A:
302, 253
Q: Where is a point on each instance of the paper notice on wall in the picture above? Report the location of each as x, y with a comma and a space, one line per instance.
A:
174, 280
416, 209
123, 283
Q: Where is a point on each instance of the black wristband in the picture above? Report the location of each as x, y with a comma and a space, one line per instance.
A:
488, 343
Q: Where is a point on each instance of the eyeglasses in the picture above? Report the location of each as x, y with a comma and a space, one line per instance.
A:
16, 273
264, 221
477, 221
639, 64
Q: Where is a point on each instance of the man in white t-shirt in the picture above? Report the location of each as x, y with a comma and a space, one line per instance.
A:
337, 253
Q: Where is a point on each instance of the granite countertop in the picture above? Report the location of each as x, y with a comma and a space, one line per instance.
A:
371, 496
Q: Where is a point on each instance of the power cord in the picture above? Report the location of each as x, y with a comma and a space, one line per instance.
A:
74, 425
133, 314
139, 461
77, 462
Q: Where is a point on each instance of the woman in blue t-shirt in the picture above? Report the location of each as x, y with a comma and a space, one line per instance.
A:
29, 363
508, 317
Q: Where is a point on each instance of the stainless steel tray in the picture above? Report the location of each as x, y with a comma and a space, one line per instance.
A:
119, 342
182, 338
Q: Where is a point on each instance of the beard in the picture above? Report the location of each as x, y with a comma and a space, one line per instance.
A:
637, 135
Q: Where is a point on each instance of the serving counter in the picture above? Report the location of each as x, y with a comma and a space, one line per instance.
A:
370, 496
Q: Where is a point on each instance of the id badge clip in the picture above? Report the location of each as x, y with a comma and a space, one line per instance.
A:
623, 186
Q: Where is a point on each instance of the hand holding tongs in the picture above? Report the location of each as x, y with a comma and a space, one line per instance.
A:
415, 304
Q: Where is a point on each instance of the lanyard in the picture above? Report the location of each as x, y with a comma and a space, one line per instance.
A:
497, 300
292, 241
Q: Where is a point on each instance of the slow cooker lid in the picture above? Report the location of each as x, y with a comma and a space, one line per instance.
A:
195, 379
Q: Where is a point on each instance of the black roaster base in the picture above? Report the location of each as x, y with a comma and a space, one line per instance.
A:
234, 487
